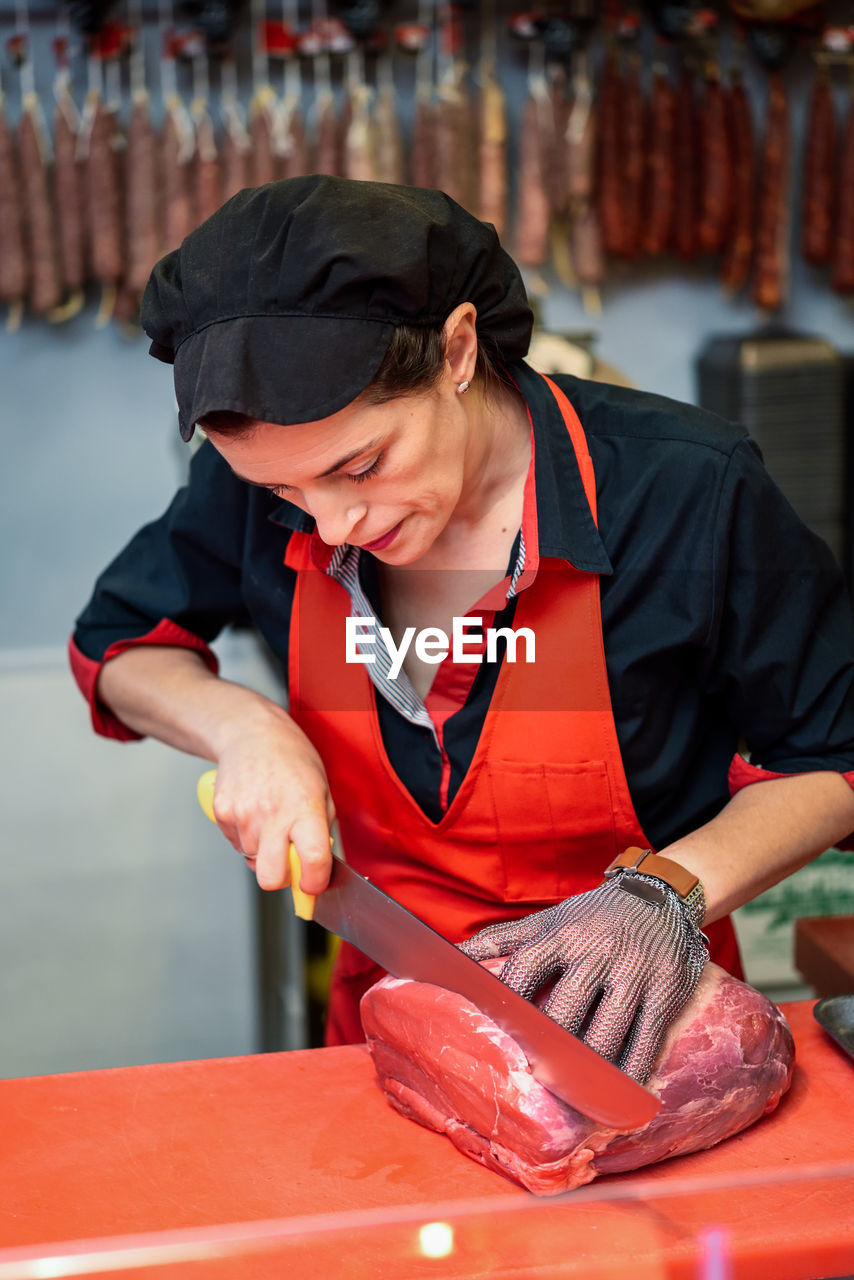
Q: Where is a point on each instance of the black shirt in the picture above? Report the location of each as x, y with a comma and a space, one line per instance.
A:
725, 620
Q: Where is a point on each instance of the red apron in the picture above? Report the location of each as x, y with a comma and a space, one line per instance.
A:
544, 806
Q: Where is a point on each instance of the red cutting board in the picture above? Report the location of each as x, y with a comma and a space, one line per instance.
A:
307, 1139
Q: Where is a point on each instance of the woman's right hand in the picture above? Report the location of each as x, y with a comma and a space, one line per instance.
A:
271, 786
271, 791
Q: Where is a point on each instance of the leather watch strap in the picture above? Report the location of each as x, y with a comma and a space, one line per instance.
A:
652, 864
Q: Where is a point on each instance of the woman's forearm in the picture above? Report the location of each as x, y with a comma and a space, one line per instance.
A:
170, 694
767, 831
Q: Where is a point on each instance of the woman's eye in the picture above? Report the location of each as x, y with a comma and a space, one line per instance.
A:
358, 476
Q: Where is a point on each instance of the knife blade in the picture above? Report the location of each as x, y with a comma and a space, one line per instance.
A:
406, 947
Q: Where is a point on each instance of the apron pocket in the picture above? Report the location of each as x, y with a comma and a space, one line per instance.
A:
555, 827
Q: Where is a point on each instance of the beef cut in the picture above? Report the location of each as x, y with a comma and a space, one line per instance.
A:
726, 1061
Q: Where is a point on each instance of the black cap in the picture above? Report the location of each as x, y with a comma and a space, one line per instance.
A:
282, 304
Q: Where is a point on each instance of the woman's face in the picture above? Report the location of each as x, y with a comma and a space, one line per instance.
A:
384, 477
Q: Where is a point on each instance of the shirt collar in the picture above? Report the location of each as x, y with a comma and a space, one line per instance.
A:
565, 528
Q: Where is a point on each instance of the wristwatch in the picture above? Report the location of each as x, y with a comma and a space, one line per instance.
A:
644, 862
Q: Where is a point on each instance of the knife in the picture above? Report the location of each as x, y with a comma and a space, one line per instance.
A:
360, 913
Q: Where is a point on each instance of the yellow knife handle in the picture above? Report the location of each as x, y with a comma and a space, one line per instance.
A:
303, 902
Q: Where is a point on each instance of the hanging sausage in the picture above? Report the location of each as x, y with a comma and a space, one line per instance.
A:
360, 135
686, 159
14, 276
390, 163
819, 172
714, 204
659, 197
533, 213
843, 256
771, 265
491, 200
102, 146
454, 134
177, 144
559, 41
36, 161
632, 119
317, 43
416, 37
293, 143
177, 150
237, 145
142, 178
46, 291
737, 253
68, 188
206, 178
585, 235
609, 160
264, 163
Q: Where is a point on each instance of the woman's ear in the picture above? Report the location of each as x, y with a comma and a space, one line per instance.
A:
459, 336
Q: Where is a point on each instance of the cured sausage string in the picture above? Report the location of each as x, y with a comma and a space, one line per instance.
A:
819, 173
491, 203
771, 266
142, 186
660, 163
738, 248
68, 192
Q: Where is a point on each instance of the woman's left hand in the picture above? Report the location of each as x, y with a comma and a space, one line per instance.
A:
644, 957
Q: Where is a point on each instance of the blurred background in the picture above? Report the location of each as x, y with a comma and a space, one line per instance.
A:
677, 182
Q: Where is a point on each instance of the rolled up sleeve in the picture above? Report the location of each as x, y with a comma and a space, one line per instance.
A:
178, 582
784, 648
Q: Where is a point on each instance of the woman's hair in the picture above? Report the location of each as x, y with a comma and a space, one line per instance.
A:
412, 363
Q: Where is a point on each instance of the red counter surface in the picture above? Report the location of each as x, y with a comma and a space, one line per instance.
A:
293, 1165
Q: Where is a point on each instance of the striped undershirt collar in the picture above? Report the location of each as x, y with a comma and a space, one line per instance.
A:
343, 566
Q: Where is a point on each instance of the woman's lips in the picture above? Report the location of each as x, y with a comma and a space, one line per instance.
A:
379, 543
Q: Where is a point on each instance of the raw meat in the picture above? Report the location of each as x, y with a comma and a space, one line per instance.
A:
726, 1061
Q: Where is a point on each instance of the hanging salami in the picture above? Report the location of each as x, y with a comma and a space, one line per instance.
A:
715, 184
609, 160
533, 214
102, 147
771, 266
14, 274
819, 173
237, 145
738, 248
492, 124
631, 152
46, 289
585, 235
660, 164
843, 257
295, 160
423, 162
454, 134
686, 160
177, 151
141, 190
68, 197
360, 138
390, 165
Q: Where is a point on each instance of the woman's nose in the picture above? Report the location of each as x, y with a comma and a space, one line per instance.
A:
335, 519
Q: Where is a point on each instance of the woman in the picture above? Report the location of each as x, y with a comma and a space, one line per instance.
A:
631, 592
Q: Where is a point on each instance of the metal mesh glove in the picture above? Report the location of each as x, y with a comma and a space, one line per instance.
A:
643, 954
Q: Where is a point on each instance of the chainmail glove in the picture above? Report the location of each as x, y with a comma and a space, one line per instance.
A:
642, 954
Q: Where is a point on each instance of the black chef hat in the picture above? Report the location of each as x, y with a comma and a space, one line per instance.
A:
282, 304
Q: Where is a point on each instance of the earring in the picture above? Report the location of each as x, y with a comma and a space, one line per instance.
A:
463, 387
